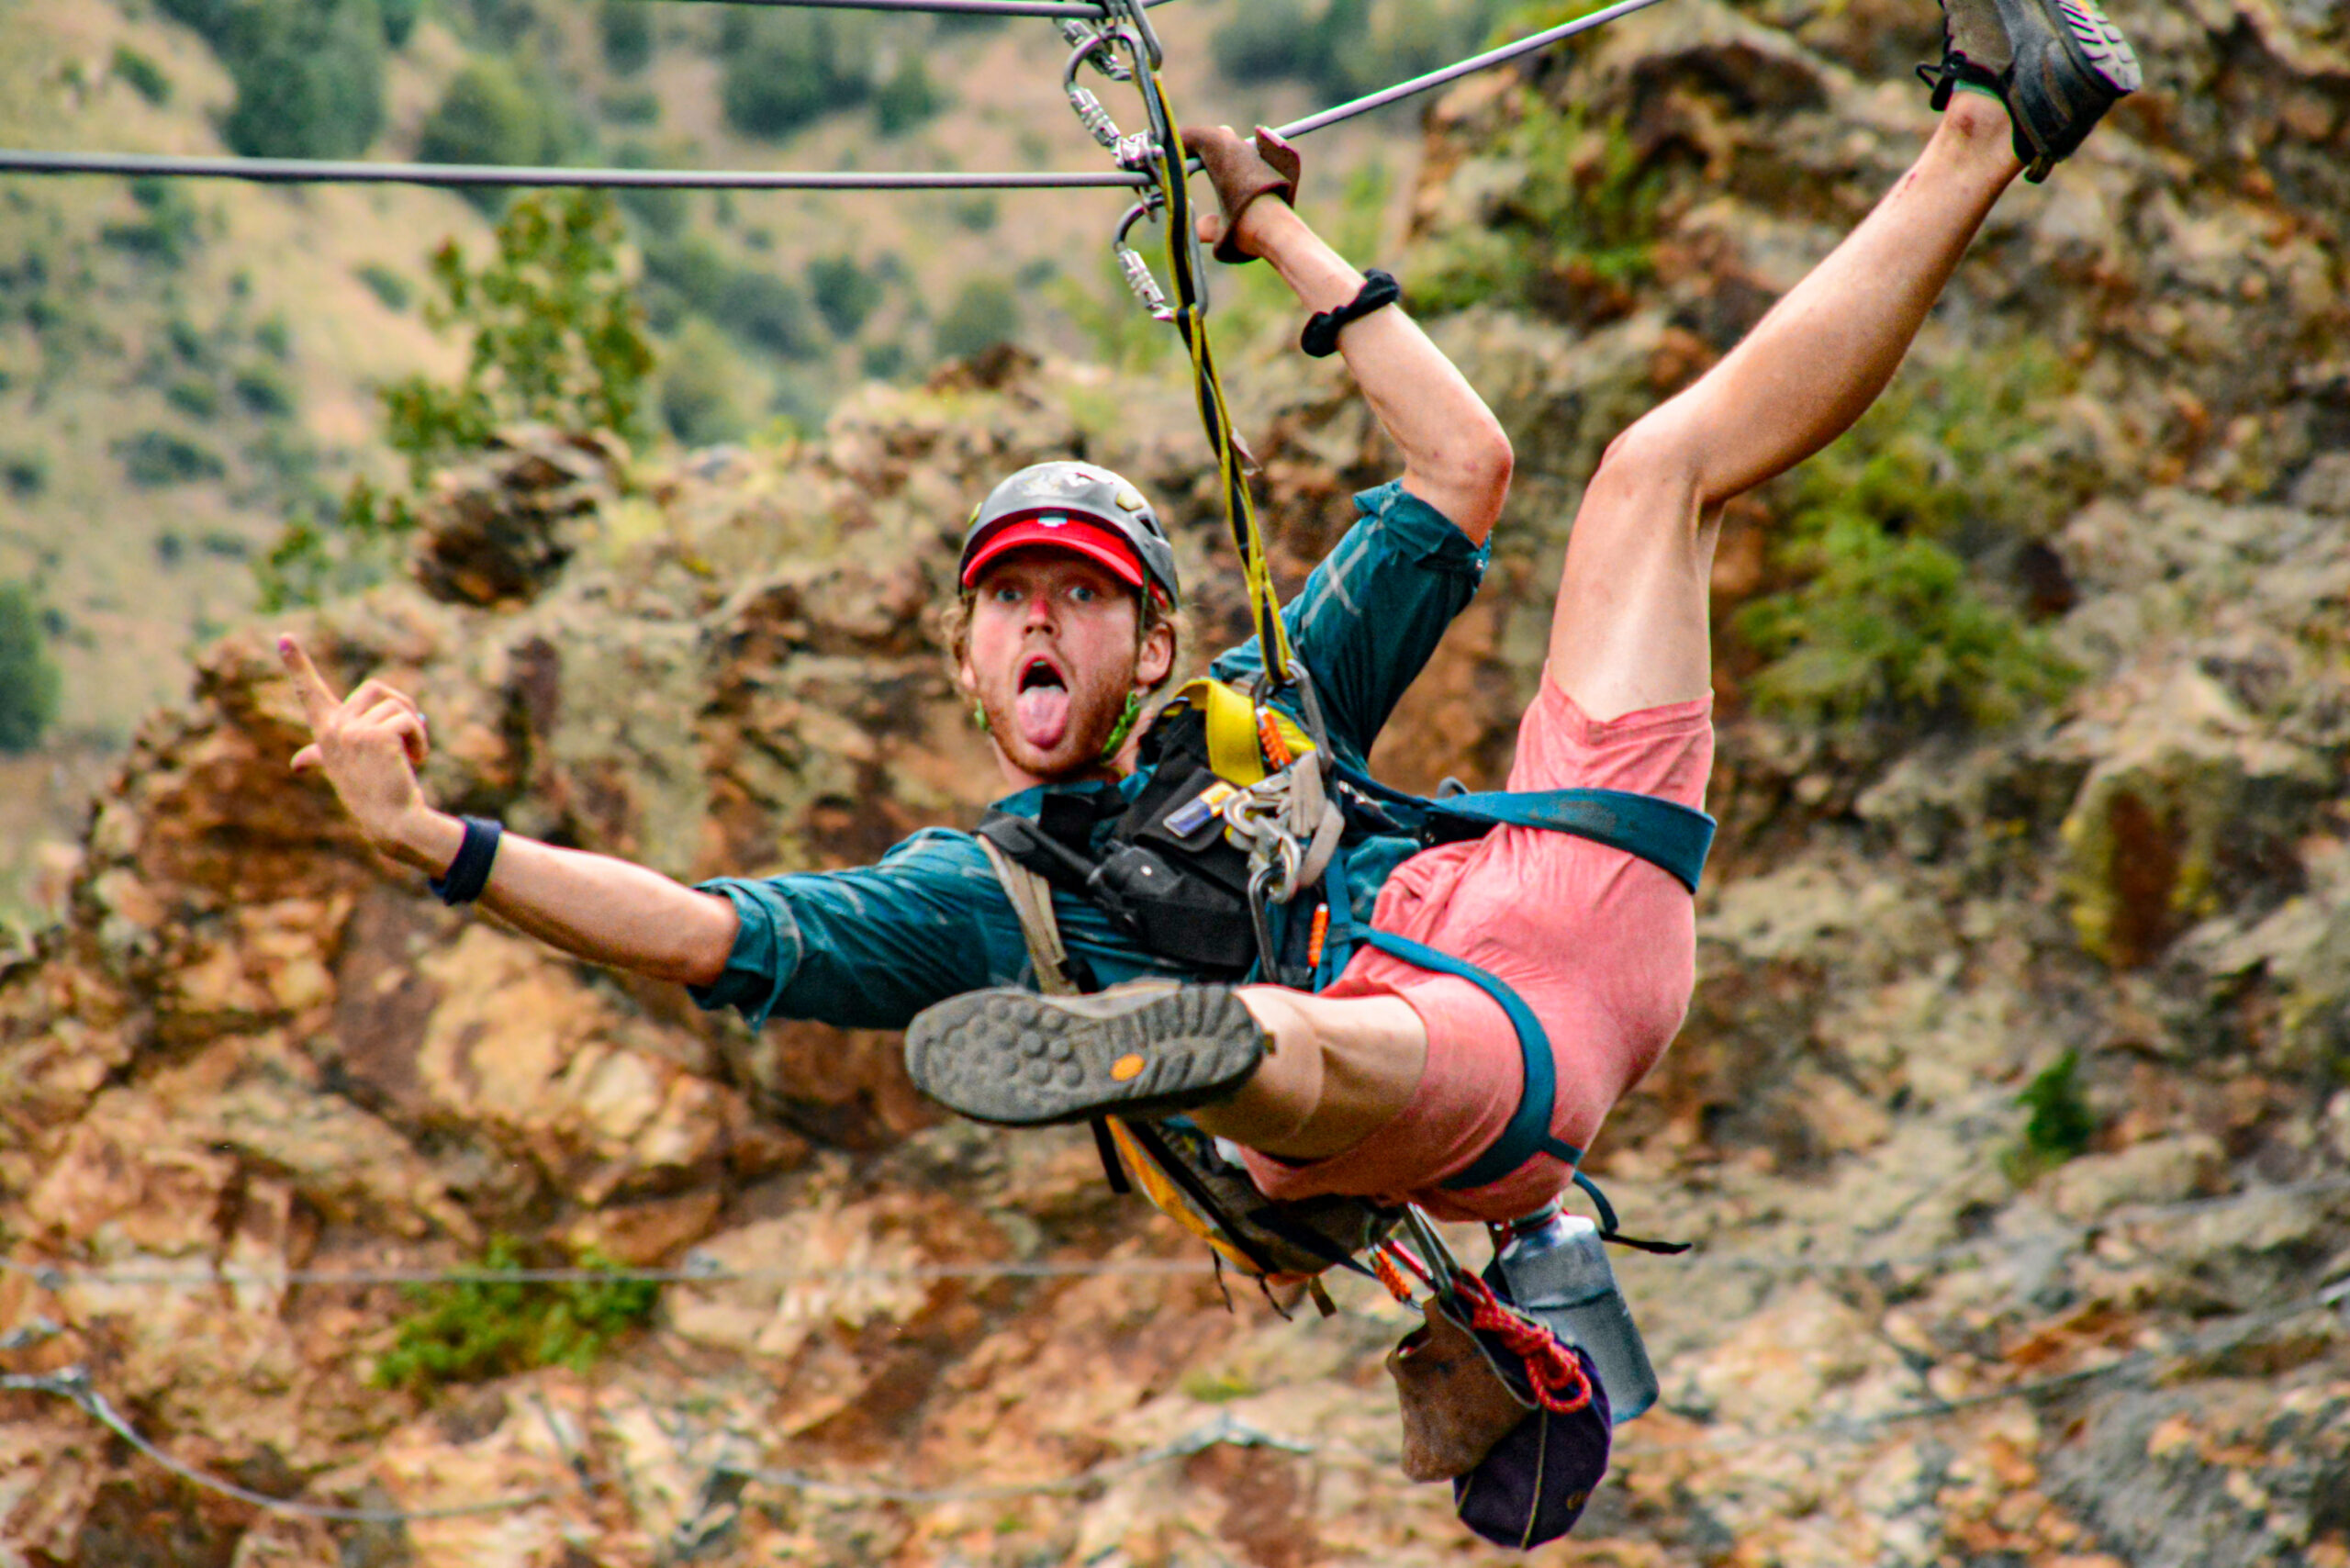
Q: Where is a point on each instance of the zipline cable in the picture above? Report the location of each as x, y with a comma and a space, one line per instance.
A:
1453, 73
1075, 10
310, 171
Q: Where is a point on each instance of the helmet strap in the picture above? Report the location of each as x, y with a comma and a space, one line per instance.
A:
1123, 727
979, 718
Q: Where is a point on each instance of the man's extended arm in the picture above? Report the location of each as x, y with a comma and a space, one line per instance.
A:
1456, 456
592, 906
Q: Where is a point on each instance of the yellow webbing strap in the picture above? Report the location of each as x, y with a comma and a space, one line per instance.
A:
1234, 754
1172, 1200
1190, 319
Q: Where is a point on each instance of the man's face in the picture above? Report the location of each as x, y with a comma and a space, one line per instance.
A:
1052, 658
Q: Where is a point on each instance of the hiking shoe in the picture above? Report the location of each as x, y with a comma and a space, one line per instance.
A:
1024, 1060
2056, 65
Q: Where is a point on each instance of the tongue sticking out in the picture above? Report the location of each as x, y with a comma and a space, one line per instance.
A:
1043, 712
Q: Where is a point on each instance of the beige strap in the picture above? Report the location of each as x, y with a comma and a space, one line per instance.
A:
1032, 901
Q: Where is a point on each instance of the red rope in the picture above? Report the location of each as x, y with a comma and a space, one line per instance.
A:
1560, 1385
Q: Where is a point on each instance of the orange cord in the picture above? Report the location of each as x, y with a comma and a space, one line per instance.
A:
1317, 936
1269, 735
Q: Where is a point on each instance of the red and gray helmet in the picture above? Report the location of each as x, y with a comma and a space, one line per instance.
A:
1078, 507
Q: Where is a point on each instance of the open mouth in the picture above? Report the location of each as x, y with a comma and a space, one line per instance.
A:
1042, 703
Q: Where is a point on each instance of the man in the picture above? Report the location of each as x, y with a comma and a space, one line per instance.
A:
1394, 1080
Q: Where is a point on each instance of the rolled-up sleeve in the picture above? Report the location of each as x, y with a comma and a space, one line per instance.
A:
1372, 612
868, 948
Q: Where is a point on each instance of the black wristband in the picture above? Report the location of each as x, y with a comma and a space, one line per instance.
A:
1320, 338
469, 874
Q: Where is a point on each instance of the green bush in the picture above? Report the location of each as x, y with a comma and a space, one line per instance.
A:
2059, 1125
1584, 216
1266, 40
166, 228
631, 105
264, 391
309, 77
985, 313
195, 398
475, 1329
153, 458
660, 212
26, 474
399, 20
786, 69
491, 115
767, 311
390, 289
625, 29
1887, 620
703, 388
907, 99
141, 74
555, 334
845, 291
30, 684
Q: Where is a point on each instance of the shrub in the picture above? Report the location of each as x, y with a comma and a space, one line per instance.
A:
490, 114
141, 74
1580, 223
766, 311
26, 474
1887, 622
907, 99
153, 458
1265, 41
195, 398
977, 212
165, 230
264, 391
987, 312
631, 105
309, 77
30, 684
625, 29
472, 1329
399, 20
390, 289
661, 212
845, 291
785, 68
2060, 1124
556, 336
702, 388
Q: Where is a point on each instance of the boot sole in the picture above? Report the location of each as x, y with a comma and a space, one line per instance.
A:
2099, 48
1022, 1060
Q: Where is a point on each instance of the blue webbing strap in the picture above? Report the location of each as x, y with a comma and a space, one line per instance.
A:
1528, 1132
1665, 834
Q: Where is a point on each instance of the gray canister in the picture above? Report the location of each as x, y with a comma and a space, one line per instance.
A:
1556, 1270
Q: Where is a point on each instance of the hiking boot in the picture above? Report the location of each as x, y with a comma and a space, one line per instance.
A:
2056, 65
1020, 1059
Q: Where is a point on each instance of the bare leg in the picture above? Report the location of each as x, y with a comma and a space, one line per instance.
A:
1339, 1071
1630, 629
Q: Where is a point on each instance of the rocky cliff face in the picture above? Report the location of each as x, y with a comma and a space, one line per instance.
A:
1913, 1331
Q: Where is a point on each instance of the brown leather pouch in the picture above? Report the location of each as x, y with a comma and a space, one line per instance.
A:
1455, 1405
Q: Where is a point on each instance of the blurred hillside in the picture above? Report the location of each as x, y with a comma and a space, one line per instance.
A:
2011, 1117
186, 365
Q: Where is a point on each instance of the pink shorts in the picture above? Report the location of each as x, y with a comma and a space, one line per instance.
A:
1600, 944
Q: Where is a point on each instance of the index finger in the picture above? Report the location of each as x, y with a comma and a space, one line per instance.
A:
318, 698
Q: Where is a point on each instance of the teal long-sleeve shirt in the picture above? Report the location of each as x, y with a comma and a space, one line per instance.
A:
871, 946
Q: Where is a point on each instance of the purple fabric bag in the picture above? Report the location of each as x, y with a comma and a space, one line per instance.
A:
1534, 1485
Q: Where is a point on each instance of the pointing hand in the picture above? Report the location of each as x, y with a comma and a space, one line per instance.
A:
369, 745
